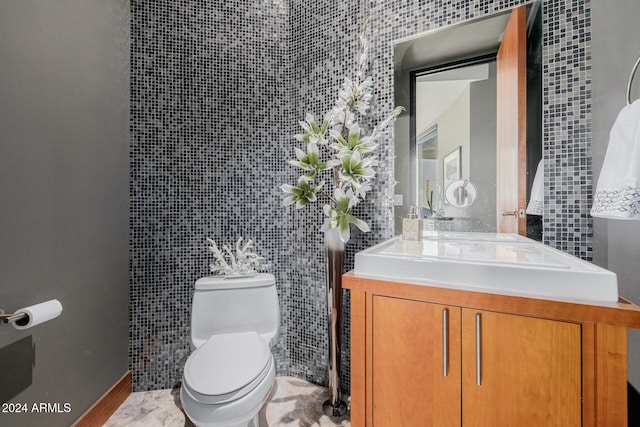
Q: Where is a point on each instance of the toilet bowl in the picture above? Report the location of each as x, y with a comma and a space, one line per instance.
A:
228, 376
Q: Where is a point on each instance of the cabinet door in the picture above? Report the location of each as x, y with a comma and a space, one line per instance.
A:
529, 371
416, 363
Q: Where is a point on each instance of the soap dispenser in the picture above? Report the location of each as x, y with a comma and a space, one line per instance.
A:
412, 225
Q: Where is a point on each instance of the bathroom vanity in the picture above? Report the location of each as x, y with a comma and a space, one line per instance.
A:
428, 352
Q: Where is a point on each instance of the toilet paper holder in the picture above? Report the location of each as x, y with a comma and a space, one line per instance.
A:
10, 317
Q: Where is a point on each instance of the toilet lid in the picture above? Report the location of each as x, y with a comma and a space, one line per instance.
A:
226, 364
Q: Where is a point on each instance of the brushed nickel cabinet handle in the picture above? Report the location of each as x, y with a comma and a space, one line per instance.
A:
478, 350
445, 342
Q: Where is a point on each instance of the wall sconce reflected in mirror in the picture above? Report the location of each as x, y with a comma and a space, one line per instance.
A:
461, 193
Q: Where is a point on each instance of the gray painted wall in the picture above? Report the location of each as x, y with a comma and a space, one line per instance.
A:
616, 244
453, 132
402, 160
64, 102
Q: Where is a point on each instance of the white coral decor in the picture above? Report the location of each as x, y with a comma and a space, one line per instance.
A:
338, 151
241, 263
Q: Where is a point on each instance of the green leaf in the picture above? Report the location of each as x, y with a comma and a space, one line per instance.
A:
363, 226
340, 139
312, 159
354, 139
325, 126
343, 204
343, 221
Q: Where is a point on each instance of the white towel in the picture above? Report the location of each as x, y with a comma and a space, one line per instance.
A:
618, 193
536, 202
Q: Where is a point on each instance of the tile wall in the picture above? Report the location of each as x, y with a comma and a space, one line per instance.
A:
217, 91
209, 91
567, 223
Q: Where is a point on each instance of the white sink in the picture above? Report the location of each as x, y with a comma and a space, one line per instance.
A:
488, 262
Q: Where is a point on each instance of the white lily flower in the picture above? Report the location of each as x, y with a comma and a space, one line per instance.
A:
362, 189
354, 128
355, 157
341, 195
333, 163
363, 226
335, 134
367, 145
309, 118
368, 173
289, 190
312, 148
345, 233
288, 201
305, 126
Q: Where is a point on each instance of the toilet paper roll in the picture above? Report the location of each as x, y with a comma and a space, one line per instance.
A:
38, 314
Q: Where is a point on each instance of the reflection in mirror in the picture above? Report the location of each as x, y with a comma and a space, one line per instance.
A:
461, 193
464, 121
426, 166
447, 77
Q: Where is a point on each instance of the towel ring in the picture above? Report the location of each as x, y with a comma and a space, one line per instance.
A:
633, 72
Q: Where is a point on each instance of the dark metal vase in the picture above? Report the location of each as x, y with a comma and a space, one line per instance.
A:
334, 254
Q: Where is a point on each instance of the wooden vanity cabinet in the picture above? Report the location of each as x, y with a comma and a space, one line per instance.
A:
529, 371
416, 350
412, 374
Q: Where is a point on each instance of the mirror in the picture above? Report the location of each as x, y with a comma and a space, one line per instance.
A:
446, 79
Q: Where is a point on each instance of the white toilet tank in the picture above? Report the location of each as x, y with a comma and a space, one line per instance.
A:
224, 305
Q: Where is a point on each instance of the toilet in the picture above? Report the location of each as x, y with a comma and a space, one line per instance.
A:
229, 374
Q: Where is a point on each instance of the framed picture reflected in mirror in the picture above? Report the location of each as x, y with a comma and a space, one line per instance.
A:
452, 167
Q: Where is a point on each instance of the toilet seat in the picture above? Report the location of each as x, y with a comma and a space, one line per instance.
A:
227, 367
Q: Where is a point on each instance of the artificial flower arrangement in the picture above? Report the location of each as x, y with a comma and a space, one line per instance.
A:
240, 264
337, 147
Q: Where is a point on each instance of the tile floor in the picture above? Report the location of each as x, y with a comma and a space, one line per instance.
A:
293, 402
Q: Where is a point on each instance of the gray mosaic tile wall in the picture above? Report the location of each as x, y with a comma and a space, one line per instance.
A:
567, 222
215, 98
323, 51
209, 92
